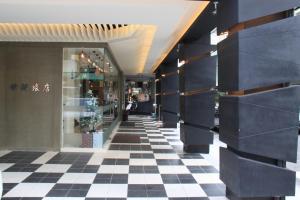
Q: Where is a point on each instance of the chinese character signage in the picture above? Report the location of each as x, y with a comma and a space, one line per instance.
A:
35, 87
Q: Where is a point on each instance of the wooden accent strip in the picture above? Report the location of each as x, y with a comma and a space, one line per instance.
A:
170, 74
169, 93
199, 57
198, 91
256, 90
257, 22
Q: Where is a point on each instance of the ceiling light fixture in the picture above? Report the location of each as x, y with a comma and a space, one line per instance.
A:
82, 54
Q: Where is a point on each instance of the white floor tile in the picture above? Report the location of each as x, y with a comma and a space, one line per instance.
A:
161, 147
175, 190
54, 168
98, 190
177, 143
153, 179
193, 190
113, 169
96, 159
138, 198
14, 177
108, 190
207, 178
218, 198
30, 190
298, 175
143, 162
4, 166
4, 152
195, 162
176, 137
173, 170
166, 156
157, 140
136, 179
77, 178
45, 157
63, 198
117, 190
144, 179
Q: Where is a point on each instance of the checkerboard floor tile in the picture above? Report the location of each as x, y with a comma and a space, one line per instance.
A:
155, 169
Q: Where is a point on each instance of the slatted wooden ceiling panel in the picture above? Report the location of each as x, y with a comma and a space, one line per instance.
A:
65, 32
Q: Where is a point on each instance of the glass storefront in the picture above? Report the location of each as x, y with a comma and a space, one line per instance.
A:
90, 96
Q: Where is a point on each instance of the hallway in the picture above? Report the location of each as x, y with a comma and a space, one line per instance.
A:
155, 168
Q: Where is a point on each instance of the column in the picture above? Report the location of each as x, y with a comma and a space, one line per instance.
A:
197, 84
169, 95
258, 63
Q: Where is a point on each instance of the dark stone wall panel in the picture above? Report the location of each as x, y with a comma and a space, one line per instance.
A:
170, 84
192, 135
279, 144
199, 109
261, 179
263, 123
170, 103
197, 48
169, 67
231, 12
170, 120
245, 58
200, 74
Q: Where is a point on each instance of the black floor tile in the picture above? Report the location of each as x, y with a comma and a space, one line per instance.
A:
7, 187
70, 158
214, 189
23, 167
163, 151
142, 155
43, 178
20, 157
83, 169
169, 162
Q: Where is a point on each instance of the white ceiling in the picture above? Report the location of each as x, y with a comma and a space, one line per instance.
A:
159, 24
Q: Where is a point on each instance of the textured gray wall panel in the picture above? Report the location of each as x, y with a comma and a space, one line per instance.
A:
200, 74
199, 109
245, 58
231, 12
259, 179
169, 119
196, 48
170, 103
264, 123
170, 83
192, 135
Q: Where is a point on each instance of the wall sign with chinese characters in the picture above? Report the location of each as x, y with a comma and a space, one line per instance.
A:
35, 87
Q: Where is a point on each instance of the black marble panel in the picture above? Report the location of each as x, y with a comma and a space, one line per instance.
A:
249, 178
170, 103
169, 67
199, 109
193, 135
260, 56
231, 12
199, 74
170, 83
196, 48
264, 123
170, 120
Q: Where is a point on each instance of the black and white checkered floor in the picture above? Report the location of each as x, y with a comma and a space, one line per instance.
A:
154, 169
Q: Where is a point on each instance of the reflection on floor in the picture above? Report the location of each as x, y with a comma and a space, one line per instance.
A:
156, 168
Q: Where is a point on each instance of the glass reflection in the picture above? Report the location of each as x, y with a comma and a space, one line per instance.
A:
90, 97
